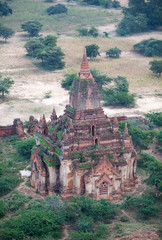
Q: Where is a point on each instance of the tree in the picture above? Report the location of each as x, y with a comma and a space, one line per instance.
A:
5, 9
100, 79
32, 27
24, 147
156, 67
92, 50
113, 52
50, 41
116, 4
52, 58
82, 32
5, 84
33, 47
119, 95
6, 32
57, 9
150, 47
67, 82
93, 32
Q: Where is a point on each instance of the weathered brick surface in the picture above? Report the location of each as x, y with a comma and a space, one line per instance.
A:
82, 151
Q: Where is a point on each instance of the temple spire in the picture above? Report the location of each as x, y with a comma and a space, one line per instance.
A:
84, 68
126, 129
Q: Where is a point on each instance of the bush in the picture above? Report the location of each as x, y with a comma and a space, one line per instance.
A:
143, 206
92, 50
150, 47
82, 32
116, 4
24, 147
57, 9
32, 223
6, 32
100, 79
156, 67
52, 58
67, 82
32, 27
155, 118
3, 208
5, 9
113, 52
93, 32
7, 183
119, 95
124, 219
16, 201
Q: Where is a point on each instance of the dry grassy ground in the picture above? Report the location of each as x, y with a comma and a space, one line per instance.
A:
32, 83
27, 96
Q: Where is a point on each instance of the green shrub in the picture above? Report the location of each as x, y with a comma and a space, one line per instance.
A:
116, 4
113, 52
142, 205
7, 183
4, 9
32, 27
16, 201
150, 47
67, 82
32, 223
24, 147
156, 67
82, 32
3, 208
57, 9
155, 118
124, 219
92, 50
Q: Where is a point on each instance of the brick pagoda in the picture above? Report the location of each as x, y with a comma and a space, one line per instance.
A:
82, 151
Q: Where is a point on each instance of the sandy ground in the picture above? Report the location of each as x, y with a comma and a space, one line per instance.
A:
27, 96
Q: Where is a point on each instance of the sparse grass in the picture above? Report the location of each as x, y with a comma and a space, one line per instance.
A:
135, 68
76, 16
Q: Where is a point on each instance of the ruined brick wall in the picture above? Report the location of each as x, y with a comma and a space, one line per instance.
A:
16, 128
7, 130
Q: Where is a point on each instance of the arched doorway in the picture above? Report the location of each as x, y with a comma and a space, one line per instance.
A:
93, 130
103, 189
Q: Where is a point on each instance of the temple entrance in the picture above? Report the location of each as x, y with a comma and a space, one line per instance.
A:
96, 141
103, 188
93, 130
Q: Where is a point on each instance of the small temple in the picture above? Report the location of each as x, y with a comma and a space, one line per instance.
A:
82, 152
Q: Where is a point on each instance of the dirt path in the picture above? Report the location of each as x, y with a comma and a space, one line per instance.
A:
28, 191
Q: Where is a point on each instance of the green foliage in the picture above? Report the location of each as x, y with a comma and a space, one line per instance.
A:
92, 50
156, 67
67, 82
4, 9
16, 201
24, 147
155, 118
116, 4
140, 16
142, 205
49, 41
113, 52
46, 50
119, 95
150, 47
32, 27
100, 79
34, 47
93, 32
6, 32
159, 138
32, 223
103, 3
141, 139
52, 58
124, 219
3, 208
5, 84
82, 32
54, 202
26, 124
7, 183
57, 9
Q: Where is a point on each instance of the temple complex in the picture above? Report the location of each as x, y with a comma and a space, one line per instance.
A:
82, 151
